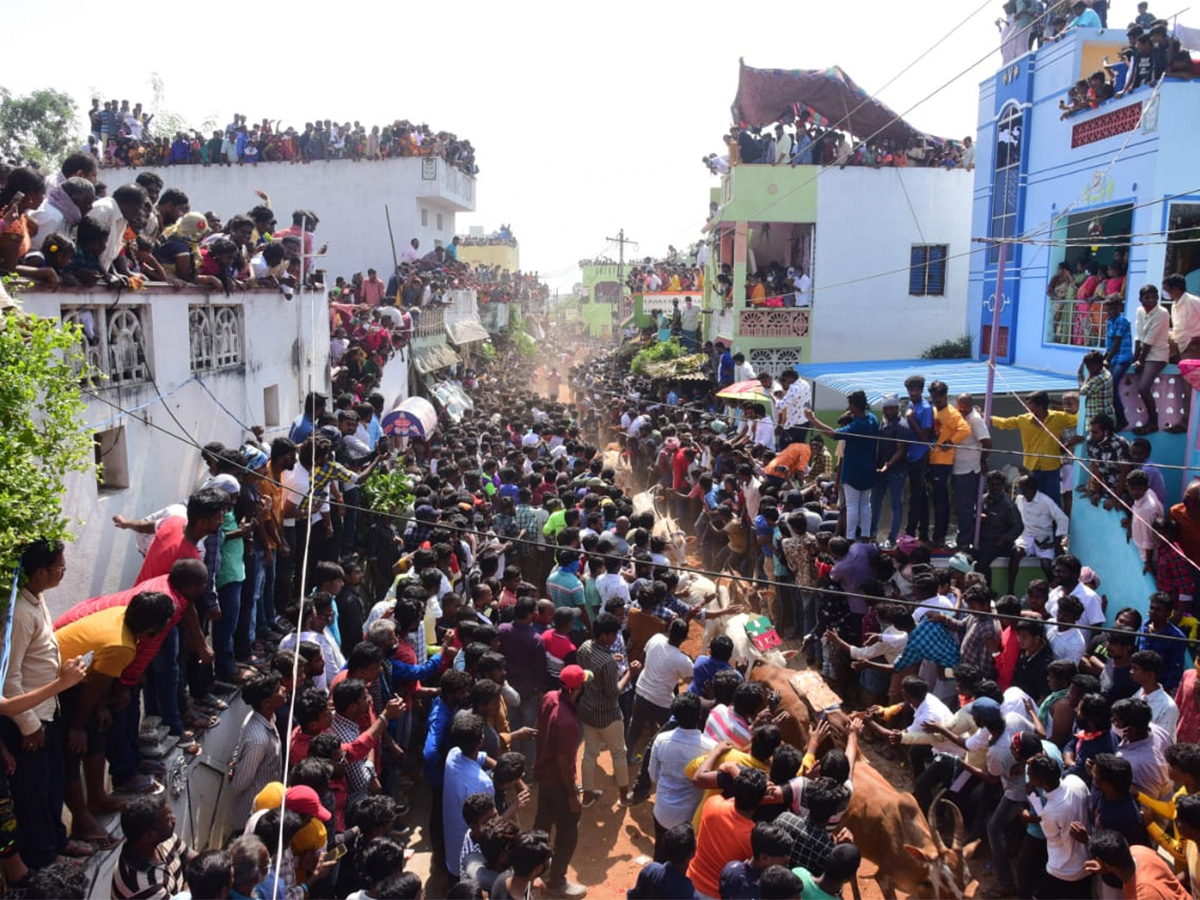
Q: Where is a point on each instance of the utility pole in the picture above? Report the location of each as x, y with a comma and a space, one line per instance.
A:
620, 240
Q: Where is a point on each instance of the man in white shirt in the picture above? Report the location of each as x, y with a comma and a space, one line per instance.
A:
1145, 667
653, 282
689, 320
1066, 801
1066, 574
742, 370
129, 206
1044, 524
792, 409
801, 285
1067, 641
410, 253
970, 460
926, 709
1185, 318
1151, 350
676, 798
665, 667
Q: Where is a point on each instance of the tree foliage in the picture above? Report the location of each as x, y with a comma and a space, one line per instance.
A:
41, 433
37, 128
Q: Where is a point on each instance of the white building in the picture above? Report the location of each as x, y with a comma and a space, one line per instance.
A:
180, 367
885, 249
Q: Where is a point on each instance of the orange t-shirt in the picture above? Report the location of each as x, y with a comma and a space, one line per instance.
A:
792, 459
1152, 878
724, 836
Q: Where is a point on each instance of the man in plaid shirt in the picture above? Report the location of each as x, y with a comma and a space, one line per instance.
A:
1097, 388
980, 632
820, 465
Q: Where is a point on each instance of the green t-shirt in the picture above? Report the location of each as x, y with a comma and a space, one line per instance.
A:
808, 886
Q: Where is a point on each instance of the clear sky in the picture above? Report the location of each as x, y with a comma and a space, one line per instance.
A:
586, 118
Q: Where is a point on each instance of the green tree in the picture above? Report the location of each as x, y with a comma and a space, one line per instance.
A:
41, 433
37, 128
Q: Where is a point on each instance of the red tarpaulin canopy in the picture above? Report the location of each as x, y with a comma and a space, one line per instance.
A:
766, 95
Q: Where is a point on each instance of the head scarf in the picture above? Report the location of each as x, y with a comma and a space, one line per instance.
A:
61, 200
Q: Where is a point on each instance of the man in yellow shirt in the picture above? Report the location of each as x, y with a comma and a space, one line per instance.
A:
1039, 429
949, 429
111, 637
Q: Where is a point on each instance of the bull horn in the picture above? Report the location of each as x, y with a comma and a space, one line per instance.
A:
959, 827
933, 822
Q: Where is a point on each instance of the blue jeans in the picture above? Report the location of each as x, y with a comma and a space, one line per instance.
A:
890, 482
265, 612
918, 504
1117, 370
161, 688
121, 742
939, 480
230, 599
1049, 483
252, 589
966, 498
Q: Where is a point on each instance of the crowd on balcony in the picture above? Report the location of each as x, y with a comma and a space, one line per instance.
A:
123, 136
1153, 53
796, 141
669, 275
501, 236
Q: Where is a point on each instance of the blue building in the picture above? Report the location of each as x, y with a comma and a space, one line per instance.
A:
1116, 185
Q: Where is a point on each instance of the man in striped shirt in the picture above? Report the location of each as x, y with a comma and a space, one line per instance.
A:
151, 865
733, 723
257, 761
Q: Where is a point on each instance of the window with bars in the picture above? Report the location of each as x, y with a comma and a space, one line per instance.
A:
927, 270
1006, 186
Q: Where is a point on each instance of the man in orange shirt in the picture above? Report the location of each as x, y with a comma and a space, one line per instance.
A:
725, 827
949, 429
1187, 517
788, 463
1142, 872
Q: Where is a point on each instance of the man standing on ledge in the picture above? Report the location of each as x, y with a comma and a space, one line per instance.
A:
1039, 429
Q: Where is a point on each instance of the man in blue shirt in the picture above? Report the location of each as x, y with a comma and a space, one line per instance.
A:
1085, 16
663, 880
858, 460
725, 365
720, 650
455, 695
464, 775
920, 426
1118, 352
302, 426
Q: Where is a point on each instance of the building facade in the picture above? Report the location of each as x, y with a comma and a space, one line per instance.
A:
179, 368
884, 249
1115, 184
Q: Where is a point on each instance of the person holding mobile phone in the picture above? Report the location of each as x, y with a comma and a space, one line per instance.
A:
23, 192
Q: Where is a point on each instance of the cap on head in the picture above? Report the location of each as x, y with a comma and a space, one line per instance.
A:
574, 677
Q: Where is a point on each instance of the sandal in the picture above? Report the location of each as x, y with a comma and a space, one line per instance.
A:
200, 722
102, 844
191, 748
77, 849
214, 702
143, 784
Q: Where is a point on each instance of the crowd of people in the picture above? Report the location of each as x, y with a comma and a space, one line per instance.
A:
61, 231
795, 140
1153, 53
458, 661
120, 136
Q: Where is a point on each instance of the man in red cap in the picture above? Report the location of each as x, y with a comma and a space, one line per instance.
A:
558, 797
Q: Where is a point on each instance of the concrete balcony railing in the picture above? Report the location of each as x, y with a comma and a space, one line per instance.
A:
774, 322
442, 182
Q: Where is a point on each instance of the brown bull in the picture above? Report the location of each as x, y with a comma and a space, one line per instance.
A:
889, 827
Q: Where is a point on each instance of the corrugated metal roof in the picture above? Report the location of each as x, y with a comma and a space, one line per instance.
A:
465, 331
885, 377
430, 359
